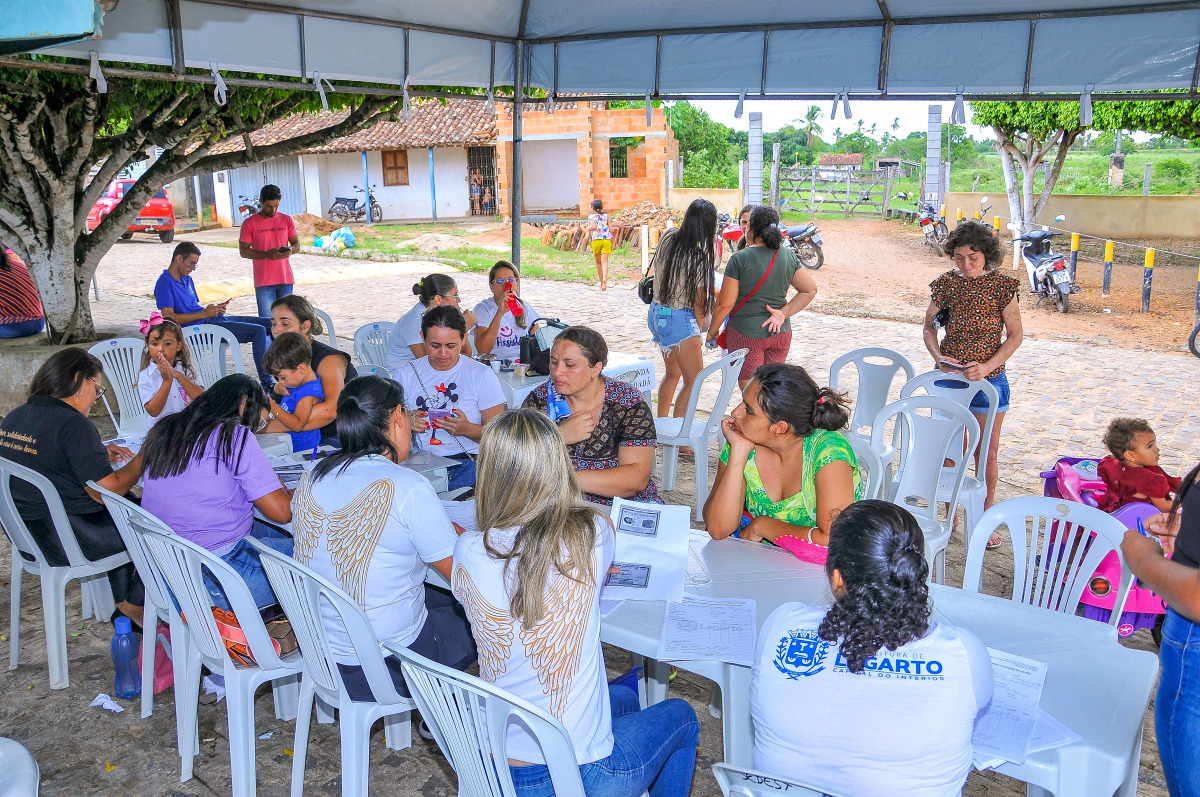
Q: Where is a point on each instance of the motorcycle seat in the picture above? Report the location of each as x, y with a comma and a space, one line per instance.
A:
349, 200
1039, 259
801, 231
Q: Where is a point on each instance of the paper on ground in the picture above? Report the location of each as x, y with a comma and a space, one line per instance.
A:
462, 513
652, 551
708, 629
1048, 733
107, 703
214, 685
1004, 727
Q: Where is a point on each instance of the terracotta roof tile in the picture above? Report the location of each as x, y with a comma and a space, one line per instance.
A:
458, 123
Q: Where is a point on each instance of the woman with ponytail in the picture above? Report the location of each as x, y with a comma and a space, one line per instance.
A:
898, 692
371, 525
782, 441
754, 294
406, 343
1177, 581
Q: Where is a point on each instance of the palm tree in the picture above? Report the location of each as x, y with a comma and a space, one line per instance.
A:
873, 126
809, 123
837, 134
896, 124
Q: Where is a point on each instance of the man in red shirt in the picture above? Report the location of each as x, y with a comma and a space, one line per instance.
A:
269, 239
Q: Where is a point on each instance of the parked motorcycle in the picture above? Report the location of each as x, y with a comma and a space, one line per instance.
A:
933, 227
1049, 276
248, 206
347, 208
805, 242
729, 234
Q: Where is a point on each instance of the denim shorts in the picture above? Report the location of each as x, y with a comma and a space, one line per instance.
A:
670, 327
979, 404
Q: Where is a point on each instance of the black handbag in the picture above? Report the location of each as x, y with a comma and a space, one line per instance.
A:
535, 346
645, 288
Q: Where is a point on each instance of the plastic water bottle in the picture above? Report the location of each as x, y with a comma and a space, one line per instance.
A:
128, 682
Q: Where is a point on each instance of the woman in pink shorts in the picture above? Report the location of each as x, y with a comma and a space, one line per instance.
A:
754, 295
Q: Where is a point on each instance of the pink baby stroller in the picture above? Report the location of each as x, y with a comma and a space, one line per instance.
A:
1076, 479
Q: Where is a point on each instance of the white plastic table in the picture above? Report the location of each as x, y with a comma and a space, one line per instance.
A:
515, 390
1095, 686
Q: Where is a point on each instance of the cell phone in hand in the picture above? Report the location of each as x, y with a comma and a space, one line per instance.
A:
283, 250
953, 366
438, 415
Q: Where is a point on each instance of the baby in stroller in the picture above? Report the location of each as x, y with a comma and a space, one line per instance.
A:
1130, 472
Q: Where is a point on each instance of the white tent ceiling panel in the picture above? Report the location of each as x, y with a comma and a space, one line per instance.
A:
813, 60
484, 17
724, 62
539, 66
632, 72
131, 32
553, 18
353, 51
239, 39
929, 57
438, 59
1121, 53
952, 8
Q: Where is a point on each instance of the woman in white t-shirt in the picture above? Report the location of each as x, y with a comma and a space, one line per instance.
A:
405, 343
455, 395
497, 329
889, 698
530, 584
398, 529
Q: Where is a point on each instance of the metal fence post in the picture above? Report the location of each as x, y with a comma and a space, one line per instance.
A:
1147, 279
1074, 254
1108, 258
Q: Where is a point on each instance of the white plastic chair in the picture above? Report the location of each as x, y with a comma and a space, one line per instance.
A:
377, 370
180, 563
868, 460
1064, 540
327, 322
741, 782
122, 359
696, 431
468, 718
21, 774
923, 444
961, 390
97, 596
303, 593
158, 598
371, 342
208, 343
874, 382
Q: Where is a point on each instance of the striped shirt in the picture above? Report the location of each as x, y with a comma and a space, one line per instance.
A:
18, 296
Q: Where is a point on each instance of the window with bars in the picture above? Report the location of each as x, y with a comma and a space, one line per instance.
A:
618, 161
395, 167
481, 179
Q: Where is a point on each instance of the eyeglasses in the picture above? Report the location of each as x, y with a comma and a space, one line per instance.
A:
450, 297
100, 389
507, 282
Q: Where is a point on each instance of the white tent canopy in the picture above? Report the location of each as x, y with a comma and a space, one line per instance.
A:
901, 49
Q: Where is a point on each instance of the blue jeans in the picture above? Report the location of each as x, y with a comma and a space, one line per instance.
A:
244, 559
671, 327
266, 296
979, 403
653, 749
249, 329
22, 329
1177, 705
461, 475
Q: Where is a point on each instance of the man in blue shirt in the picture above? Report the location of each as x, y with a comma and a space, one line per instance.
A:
175, 294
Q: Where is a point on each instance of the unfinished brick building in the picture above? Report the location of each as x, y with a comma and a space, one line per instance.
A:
583, 152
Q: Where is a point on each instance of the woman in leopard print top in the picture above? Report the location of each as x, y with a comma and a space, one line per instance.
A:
610, 431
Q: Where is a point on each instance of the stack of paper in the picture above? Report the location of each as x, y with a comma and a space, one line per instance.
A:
708, 629
651, 551
462, 513
1012, 725
287, 469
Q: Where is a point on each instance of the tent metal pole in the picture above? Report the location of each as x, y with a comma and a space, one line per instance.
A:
514, 201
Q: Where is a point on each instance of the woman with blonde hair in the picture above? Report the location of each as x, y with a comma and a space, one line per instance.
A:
530, 582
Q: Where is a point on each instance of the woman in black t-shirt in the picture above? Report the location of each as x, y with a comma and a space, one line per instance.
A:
1177, 581
294, 313
51, 434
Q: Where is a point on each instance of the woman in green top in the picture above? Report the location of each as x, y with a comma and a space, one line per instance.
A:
785, 471
760, 323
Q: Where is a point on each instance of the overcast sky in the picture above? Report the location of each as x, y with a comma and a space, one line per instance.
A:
913, 116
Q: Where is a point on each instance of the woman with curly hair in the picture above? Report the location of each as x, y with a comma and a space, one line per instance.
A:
977, 305
898, 691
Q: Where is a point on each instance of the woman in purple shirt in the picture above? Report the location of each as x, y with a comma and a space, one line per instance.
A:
205, 474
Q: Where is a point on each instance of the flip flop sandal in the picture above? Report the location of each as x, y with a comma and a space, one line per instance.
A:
996, 541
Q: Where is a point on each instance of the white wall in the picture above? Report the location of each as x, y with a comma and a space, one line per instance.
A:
224, 201
329, 176
550, 174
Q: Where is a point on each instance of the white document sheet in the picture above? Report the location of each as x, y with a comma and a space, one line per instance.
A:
652, 551
708, 629
288, 470
607, 607
462, 513
1004, 728
1049, 733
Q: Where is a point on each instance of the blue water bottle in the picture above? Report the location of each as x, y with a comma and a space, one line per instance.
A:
128, 682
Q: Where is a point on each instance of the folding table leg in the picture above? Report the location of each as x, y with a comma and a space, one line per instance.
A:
658, 679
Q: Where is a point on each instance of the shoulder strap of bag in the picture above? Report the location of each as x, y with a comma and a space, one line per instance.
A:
412, 364
766, 274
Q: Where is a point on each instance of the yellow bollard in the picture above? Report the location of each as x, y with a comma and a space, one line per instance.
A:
1074, 253
959, 216
1108, 260
942, 212
995, 225
1147, 279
